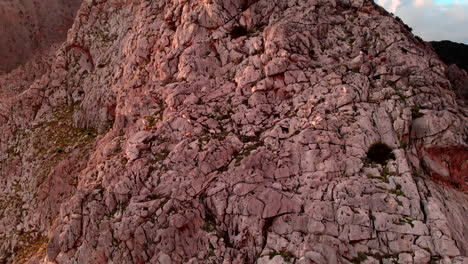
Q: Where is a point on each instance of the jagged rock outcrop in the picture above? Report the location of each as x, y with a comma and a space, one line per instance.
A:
235, 131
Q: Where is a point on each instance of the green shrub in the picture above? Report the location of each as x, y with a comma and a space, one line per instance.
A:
287, 256
403, 144
415, 113
380, 153
361, 257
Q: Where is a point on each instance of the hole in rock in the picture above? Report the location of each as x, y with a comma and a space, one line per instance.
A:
238, 31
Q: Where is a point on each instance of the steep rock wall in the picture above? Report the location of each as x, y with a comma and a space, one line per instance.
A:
232, 131
28, 27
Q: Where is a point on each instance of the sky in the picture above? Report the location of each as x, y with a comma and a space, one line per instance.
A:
433, 19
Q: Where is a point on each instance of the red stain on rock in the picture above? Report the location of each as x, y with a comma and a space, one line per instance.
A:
448, 165
111, 109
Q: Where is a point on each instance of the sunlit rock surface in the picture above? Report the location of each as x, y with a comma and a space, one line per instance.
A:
230, 131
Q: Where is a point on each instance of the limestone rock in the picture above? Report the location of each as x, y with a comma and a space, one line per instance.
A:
232, 131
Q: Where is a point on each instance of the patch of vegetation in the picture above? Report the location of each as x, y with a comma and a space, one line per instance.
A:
286, 255
50, 140
400, 203
428, 250
397, 191
380, 153
246, 152
36, 247
381, 257
403, 23
382, 178
205, 137
211, 250
415, 112
162, 155
221, 135
385, 172
150, 121
407, 220
383, 175
403, 144
221, 114
223, 168
402, 97
361, 257
210, 222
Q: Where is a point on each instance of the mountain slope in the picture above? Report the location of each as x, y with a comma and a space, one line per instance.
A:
235, 131
30, 26
452, 53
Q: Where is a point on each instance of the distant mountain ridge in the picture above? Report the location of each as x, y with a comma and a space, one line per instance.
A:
452, 52
455, 55
31, 26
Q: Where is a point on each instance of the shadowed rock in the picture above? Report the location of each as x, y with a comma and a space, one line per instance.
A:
31, 26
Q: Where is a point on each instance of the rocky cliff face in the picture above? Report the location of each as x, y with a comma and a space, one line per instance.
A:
28, 27
233, 131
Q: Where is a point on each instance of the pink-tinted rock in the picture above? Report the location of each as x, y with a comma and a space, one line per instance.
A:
448, 165
231, 131
29, 27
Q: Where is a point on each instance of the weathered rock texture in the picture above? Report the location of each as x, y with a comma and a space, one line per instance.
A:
459, 79
234, 131
28, 27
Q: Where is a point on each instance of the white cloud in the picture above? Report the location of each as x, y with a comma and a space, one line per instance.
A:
419, 2
382, 2
394, 6
432, 21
